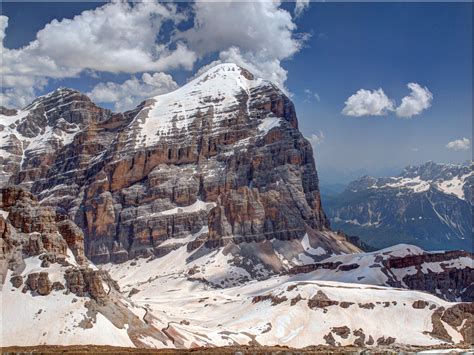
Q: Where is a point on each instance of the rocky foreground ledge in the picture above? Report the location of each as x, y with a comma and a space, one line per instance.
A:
254, 350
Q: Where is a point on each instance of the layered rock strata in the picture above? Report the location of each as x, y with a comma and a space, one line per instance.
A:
218, 161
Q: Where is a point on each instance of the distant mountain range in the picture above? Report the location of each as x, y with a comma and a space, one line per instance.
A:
429, 205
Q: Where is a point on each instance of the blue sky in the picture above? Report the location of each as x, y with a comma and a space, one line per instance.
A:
385, 45
322, 57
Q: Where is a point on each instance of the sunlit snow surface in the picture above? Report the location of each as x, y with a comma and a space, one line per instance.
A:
454, 186
216, 92
199, 314
227, 315
450, 186
27, 319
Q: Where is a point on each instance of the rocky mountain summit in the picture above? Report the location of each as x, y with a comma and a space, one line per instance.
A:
428, 205
217, 163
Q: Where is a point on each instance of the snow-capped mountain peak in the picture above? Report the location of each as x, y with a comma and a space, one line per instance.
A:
200, 203
451, 179
221, 80
224, 92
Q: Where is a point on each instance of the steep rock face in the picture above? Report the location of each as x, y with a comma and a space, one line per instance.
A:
428, 205
209, 141
220, 159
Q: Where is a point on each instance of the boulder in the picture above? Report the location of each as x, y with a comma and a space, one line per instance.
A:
16, 281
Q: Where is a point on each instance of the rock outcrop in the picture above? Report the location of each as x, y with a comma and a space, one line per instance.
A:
221, 159
453, 282
53, 288
31, 229
38, 283
84, 281
448, 275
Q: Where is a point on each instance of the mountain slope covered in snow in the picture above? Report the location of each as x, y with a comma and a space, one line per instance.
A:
50, 293
188, 298
326, 306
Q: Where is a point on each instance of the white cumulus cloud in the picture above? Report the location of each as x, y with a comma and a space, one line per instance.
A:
139, 37
131, 92
256, 35
117, 37
368, 103
419, 100
377, 103
300, 7
459, 144
316, 138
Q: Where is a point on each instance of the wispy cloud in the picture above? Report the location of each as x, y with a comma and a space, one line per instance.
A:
316, 138
311, 95
300, 7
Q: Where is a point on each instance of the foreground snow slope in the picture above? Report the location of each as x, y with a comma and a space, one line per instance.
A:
293, 310
168, 302
55, 319
189, 297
